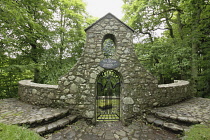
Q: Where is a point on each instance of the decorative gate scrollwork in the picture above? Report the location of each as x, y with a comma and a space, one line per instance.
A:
108, 96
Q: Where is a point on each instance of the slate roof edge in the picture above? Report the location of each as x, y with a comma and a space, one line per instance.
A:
103, 18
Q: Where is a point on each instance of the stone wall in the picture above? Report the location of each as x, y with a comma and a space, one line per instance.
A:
172, 93
38, 94
51, 96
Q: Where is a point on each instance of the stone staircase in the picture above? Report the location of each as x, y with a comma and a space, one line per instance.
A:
42, 120
179, 117
168, 122
49, 123
53, 126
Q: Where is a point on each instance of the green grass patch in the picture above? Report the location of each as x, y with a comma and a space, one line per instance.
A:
198, 132
14, 132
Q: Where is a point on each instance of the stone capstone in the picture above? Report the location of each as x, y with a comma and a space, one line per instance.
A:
71, 78
69, 96
128, 101
63, 97
66, 83
155, 103
92, 81
71, 101
51, 95
63, 79
80, 80
89, 114
93, 75
66, 91
74, 88
34, 91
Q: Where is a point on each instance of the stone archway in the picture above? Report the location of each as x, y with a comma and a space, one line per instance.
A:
108, 85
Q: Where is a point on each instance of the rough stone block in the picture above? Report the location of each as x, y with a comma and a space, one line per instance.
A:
89, 114
73, 88
128, 101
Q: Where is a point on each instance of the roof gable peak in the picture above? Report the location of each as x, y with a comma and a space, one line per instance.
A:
108, 15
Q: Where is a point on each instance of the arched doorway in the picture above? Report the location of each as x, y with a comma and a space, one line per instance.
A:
108, 96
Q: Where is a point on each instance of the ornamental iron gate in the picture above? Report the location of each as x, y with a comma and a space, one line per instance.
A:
108, 96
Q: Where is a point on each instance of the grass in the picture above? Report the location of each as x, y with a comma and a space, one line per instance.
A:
14, 132
198, 132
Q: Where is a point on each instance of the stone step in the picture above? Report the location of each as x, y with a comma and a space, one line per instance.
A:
36, 120
179, 118
174, 126
56, 125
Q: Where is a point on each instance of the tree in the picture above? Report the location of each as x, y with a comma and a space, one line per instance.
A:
27, 32
33, 41
67, 42
186, 25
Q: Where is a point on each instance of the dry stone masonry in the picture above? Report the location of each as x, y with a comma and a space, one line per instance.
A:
77, 90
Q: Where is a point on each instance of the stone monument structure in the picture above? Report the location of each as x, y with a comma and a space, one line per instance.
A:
108, 82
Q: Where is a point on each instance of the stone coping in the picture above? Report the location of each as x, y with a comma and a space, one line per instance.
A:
175, 84
32, 84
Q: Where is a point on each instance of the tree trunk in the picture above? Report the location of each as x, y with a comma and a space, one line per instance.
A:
180, 25
36, 75
194, 67
34, 56
195, 46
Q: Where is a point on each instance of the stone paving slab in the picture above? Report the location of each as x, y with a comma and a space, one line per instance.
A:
195, 110
111, 131
13, 111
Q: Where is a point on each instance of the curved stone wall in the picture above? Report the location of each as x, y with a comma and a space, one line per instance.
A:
50, 95
172, 93
38, 94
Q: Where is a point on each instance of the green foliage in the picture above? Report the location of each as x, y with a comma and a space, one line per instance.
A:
13, 132
198, 132
52, 70
182, 52
167, 60
39, 40
67, 42
11, 71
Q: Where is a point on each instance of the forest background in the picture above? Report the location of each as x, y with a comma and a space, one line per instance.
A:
43, 39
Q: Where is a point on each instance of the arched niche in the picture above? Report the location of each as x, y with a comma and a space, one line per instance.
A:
109, 45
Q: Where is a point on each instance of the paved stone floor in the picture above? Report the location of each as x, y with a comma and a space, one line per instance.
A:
193, 110
13, 111
112, 131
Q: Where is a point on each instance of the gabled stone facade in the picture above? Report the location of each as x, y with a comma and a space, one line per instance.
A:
77, 90
137, 84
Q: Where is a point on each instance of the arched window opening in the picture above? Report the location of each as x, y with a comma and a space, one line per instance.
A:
109, 45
